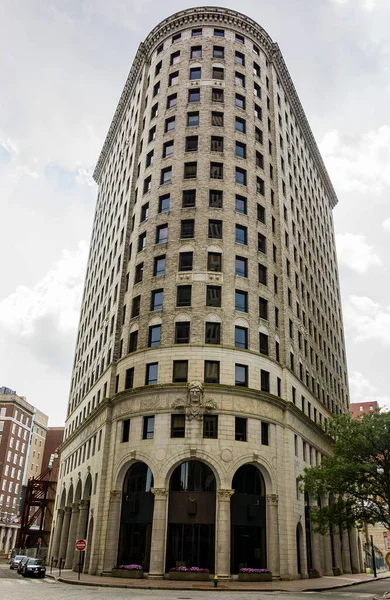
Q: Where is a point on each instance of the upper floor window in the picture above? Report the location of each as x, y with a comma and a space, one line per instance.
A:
196, 52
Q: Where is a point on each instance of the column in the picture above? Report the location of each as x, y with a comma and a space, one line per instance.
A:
65, 532
81, 529
354, 551
159, 534
70, 549
14, 537
327, 549
337, 550
223, 545
346, 554
57, 534
112, 530
1, 537
273, 534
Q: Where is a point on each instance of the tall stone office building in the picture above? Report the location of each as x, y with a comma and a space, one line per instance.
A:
210, 345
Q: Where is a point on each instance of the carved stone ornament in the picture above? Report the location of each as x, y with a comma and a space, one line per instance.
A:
225, 494
159, 492
115, 495
194, 405
273, 499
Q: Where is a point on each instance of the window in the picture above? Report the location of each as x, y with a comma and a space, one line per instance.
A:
142, 241
144, 212
154, 336
170, 124
156, 89
190, 170
182, 332
219, 32
261, 243
261, 213
176, 37
151, 373
218, 73
239, 59
241, 266
192, 119
263, 344
240, 176
161, 234
240, 101
257, 90
211, 371
240, 150
240, 79
259, 160
216, 143
133, 341
258, 135
218, 52
241, 337
166, 176
212, 333
215, 229
167, 150
188, 198
260, 186
240, 125
196, 32
135, 306
217, 119
215, 198
157, 299
240, 38
241, 375
263, 308
164, 203
264, 434
210, 426
158, 68
148, 429
159, 265
264, 381
195, 72
192, 143
240, 429
216, 170
173, 78
180, 371
183, 295
194, 95
185, 261
214, 261
172, 101
196, 51
129, 379
217, 95
175, 58
258, 112
241, 204
241, 235
147, 184
139, 271
213, 295
187, 230
149, 158
178, 426
241, 301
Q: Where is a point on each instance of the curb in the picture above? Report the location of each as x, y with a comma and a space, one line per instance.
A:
203, 589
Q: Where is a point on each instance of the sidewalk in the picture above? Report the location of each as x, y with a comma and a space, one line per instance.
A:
298, 585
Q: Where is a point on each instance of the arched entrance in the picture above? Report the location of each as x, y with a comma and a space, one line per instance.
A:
309, 553
248, 520
191, 517
299, 547
136, 517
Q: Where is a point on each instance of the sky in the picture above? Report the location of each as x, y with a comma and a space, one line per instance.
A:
63, 65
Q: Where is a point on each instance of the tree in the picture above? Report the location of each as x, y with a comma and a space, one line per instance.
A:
356, 478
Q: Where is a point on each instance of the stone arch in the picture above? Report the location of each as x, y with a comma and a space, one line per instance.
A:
211, 461
125, 464
77, 495
63, 499
87, 491
261, 464
134, 327
70, 495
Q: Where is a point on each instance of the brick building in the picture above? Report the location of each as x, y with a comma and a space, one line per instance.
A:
210, 343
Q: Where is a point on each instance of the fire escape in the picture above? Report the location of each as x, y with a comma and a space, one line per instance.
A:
37, 511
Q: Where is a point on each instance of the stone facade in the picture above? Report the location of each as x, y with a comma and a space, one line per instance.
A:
211, 289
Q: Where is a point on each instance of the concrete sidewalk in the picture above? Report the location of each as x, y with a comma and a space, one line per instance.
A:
298, 585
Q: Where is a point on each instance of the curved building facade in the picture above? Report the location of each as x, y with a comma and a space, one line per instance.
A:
210, 344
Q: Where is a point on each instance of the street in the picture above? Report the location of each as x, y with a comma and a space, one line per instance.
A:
16, 587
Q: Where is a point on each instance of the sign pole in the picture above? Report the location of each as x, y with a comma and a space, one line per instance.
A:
80, 555
80, 547
373, 555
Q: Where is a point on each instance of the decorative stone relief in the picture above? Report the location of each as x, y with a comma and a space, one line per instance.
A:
194, 405
160, 454
225, 494
273, 499
115, 495
159, 492
226, 455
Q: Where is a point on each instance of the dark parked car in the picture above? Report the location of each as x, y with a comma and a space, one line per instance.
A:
33, 567
23, 560
14, 562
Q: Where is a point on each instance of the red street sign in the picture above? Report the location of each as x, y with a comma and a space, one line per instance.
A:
81, 545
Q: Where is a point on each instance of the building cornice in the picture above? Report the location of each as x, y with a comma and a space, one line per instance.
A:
236, 20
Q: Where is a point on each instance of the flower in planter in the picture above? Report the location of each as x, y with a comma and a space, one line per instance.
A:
249, 570
131, 567
188, 570
312, 570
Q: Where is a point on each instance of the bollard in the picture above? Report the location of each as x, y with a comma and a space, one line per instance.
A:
215, 580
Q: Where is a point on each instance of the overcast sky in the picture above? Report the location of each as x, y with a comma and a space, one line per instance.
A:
63, 64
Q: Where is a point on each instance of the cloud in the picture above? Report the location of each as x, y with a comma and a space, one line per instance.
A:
363, 390
367, 5
386, 224
56, 297
367, 319
358, 163
354, 252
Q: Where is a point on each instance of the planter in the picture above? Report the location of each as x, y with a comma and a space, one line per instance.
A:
127, 573
314, 575
186, 576
255, 577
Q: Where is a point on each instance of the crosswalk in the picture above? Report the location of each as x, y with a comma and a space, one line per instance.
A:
11, 582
